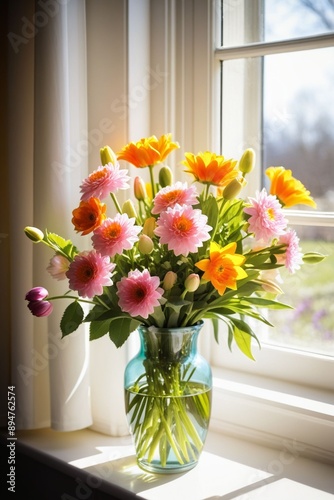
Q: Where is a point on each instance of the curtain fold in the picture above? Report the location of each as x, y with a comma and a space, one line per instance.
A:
56, 380
64, 89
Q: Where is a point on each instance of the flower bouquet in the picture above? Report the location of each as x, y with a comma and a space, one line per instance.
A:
172, 257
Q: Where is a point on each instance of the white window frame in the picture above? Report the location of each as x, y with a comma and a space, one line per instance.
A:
286, 393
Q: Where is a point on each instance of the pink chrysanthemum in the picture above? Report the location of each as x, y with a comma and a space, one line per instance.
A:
115, 235
89, 272
103, 181
267, 219
293, 257
178, 193
58, 267
139, 293
183, 229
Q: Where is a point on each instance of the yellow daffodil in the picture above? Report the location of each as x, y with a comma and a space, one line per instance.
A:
223, 267
288, 190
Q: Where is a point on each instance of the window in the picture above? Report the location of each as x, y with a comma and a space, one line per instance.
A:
275, 96
276, 91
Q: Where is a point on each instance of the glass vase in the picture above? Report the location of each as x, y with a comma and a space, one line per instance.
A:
168, 390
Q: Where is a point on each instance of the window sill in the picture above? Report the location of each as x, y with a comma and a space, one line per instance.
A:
270, 412
229, 468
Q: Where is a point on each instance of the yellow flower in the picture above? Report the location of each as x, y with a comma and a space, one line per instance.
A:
148, 151
288, 190
107, 156
209, 168
223, 267
247, 161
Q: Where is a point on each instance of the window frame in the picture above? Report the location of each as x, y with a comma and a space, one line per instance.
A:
261, 49
298, 403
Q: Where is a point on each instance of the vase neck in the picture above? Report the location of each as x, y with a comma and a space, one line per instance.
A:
169, 344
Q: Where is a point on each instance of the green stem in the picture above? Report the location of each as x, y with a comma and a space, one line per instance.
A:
70, 297
150, 167
117, 205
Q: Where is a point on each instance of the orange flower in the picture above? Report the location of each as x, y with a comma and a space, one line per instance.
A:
89, 215
288, 190
210, 168
148, 151
223, 267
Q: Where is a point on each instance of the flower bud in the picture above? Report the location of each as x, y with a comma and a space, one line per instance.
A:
145, 244
149, 227
247, 161
139, 189
165, 177
58, 267
192, 282
35, 234
129, 209
313, 257
233, 188
169, 280
107, 156
271, 287
40, 308
37, 293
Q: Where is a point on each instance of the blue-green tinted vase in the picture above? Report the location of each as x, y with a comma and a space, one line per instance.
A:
168, 390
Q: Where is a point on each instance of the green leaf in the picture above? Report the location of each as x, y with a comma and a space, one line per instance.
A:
72, 318
60, 244
215, 324
98, 329
176, 304
120, 329
266, 303
243, 341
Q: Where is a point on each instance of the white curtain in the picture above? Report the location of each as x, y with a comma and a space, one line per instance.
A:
69, 383
80, 75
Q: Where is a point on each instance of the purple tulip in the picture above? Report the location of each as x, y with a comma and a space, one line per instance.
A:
40, 308
37, 293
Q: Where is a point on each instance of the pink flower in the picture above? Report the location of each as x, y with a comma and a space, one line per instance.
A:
37, 293
115, 235
293, 257
183, 229
170, 195
139, 293
58, 267
103, 181
40, 308
88, 273
267, 219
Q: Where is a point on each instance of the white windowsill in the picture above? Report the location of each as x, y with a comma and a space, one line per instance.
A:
229, 468
271, 412
268, 439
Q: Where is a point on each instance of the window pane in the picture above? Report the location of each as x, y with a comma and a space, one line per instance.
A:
298, 18
310, 325
299, 119
252, 21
